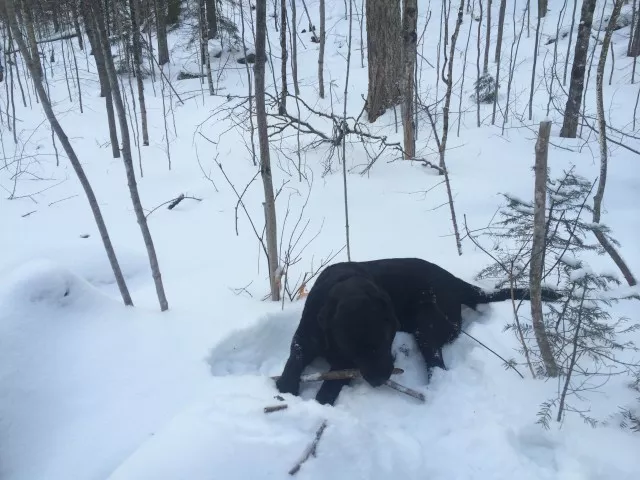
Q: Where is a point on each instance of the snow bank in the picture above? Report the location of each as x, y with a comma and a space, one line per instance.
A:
471, 427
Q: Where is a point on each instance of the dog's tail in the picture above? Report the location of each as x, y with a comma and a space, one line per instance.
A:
475, 295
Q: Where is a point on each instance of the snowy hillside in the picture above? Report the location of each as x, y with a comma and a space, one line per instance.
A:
91, 389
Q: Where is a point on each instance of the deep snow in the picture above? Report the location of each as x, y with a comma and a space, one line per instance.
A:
90, 389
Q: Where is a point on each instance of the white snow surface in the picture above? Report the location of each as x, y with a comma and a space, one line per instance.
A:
91, 389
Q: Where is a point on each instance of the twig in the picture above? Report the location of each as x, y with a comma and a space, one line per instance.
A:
406, 390
176, 201
496, 354
336, 375
173, 202
275, 408
62, 200
310, 450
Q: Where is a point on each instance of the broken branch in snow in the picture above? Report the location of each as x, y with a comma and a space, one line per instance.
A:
64, 36
275, 408
406, 390
173, 202
351, 373
310, 450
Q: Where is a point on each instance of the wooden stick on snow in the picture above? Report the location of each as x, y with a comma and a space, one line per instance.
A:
310, 450
335, 375
275, 408
406, 390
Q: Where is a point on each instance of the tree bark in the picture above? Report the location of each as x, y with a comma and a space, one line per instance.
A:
76, 22
602, 139
574, 101
442, 147
294, 48
212, 19
126, 154
161, 28
105, 87
27, 8
487, 40
501, 15
265, 161
538, 248
173, 12
383, 45
409, 52
634, 48
73, 158
204, 46
283, 60
137, 60
542, 8
321, 53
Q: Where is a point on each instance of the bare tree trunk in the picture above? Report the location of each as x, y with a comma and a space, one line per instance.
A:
105, 87
212, 19
542, 8
73, 158
161, 28
344, 120
572, 110
383, 45
321, 53
294, 48
634, 46
283, 60
137, 61
487, 40
409, 52
569, 42
204, 46
535, 63
602, 138
464, 67
501, 15
27, 8
173, 11
76, 23
265, 161
127, 157
448, 80
478, 64
538, 248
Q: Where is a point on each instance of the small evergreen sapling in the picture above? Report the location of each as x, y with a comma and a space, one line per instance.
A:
588, 344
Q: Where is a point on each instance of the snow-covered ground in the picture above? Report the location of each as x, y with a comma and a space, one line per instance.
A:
90, 389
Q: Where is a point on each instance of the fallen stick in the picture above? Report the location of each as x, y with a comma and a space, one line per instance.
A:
275, 408
335, 375
310, 450
406, 390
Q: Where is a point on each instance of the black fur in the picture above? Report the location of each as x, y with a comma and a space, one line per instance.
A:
413, 295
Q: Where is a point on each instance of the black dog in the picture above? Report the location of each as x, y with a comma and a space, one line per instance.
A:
426, 299
350, 322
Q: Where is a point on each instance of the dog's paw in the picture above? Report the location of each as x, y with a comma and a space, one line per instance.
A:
284, 385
